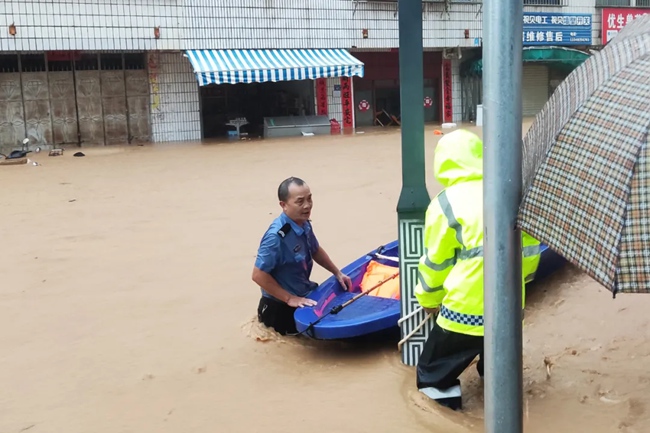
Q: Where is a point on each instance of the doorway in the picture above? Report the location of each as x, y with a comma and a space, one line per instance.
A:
221, 103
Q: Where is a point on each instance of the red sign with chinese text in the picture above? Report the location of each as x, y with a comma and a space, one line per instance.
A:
346, 101
321, 96
614, 19
447, 105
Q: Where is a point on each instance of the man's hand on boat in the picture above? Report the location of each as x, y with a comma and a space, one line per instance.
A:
345, 281
298, 302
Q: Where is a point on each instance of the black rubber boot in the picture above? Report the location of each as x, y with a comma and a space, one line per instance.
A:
453, 403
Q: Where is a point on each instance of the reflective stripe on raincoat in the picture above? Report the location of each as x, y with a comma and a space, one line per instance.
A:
450, 273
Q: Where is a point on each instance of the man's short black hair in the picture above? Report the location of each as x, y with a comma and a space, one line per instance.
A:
283, 189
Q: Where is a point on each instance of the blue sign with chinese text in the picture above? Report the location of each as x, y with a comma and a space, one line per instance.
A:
556, 29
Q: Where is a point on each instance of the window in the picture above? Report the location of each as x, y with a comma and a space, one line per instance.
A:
608, 3
545, 2
8, 63
32, 62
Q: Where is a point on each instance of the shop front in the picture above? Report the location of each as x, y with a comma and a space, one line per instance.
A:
73, 98
377, 93
268, 93
554, 45
545, 37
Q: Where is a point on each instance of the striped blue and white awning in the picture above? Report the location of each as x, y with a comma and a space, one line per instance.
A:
250, 66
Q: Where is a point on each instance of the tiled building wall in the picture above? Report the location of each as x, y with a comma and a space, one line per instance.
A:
175, 112
197, 24
185, 24
456, 91
334, 104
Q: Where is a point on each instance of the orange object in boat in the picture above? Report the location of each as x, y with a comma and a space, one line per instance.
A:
376, 273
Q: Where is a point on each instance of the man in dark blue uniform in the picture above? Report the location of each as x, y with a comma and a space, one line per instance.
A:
285, 259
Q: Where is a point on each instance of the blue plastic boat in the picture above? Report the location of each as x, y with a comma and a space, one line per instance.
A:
369, 314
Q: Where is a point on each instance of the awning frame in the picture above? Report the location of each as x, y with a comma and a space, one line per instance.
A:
558, 56
259, 66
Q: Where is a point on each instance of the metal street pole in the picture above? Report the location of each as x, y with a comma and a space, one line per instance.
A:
502, 70
414, 198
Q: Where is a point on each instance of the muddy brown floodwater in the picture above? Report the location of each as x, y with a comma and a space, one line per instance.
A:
126, 303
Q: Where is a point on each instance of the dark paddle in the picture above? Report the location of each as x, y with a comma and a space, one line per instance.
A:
337, 309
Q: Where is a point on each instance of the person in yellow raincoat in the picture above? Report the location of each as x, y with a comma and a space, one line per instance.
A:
450, 273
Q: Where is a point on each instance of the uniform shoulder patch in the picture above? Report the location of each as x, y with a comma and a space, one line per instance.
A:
284, 230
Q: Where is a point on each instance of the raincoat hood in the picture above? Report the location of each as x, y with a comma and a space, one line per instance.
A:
458, 158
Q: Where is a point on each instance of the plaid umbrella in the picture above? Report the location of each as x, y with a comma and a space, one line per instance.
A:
586, 167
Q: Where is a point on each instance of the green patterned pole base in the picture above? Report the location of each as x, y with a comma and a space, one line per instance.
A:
414, 198
411, 249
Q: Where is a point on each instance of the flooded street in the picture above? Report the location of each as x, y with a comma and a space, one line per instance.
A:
127, 304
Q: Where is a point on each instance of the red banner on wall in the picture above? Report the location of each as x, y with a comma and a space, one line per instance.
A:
321, 97
346, 101
447, 104
614, 19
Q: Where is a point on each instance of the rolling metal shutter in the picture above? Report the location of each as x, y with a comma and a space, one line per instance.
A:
534, 91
